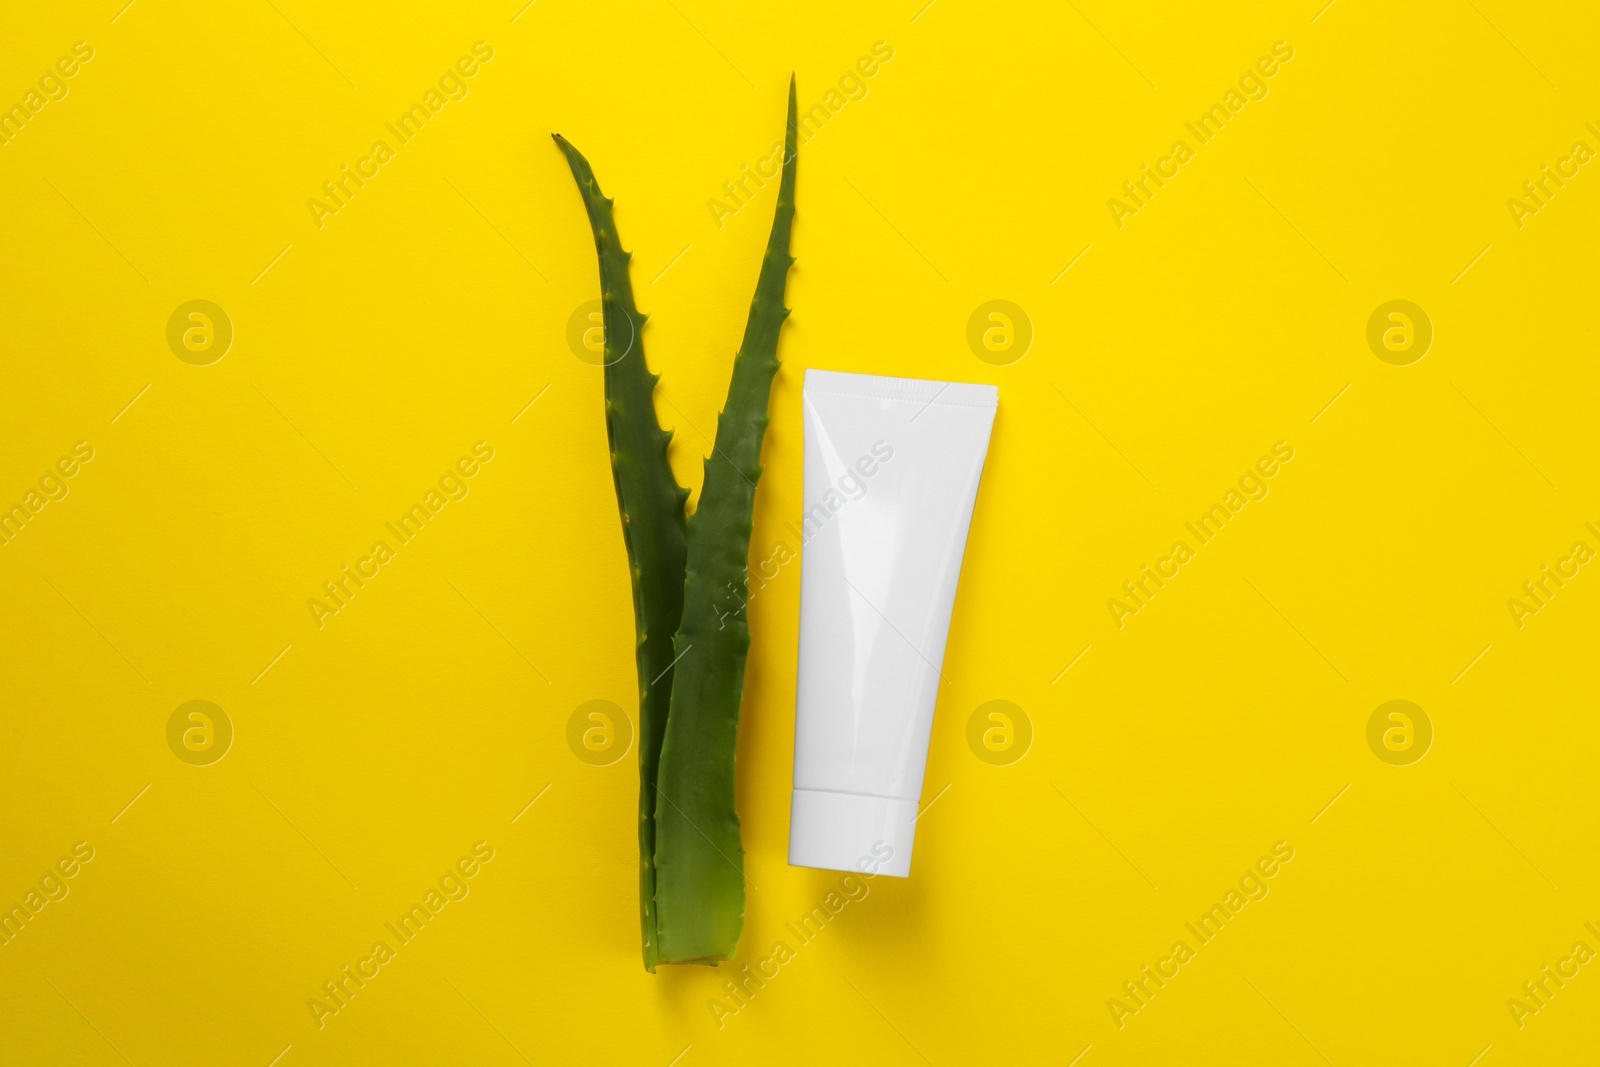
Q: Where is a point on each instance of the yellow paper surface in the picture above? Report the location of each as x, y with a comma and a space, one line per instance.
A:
1150, 352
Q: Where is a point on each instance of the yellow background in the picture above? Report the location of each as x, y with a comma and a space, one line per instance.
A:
429, 312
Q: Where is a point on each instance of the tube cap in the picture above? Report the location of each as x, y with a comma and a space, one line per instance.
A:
851, 832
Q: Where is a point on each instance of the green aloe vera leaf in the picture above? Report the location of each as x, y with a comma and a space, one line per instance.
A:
699, 861
652, 506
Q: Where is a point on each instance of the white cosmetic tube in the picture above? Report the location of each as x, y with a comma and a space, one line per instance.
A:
891, 475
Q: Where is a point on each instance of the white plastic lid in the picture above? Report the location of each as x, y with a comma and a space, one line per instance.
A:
851, 832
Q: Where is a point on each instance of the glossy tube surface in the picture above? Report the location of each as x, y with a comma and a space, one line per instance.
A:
891, 475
